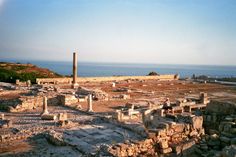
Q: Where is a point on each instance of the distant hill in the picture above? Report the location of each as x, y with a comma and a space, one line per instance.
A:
9, 72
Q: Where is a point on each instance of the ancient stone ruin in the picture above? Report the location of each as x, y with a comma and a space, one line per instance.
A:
118, 116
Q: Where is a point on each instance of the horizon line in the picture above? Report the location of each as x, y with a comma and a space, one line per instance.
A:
108, 62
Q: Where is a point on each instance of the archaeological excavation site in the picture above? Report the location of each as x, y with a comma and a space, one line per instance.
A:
120, 116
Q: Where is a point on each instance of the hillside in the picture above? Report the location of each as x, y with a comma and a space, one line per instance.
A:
9, 72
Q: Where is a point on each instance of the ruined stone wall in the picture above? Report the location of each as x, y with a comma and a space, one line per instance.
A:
216, 112
98, 79
67, 100
220, 119
166, 136
26, 103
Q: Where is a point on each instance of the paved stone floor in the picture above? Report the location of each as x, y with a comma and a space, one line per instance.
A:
88, 135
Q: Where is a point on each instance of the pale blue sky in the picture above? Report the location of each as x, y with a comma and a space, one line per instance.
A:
131, 31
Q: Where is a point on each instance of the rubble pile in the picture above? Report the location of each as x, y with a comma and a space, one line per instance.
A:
175, 134
96, 93
167, 137
100, 95
55, 138
134, 148
121, 96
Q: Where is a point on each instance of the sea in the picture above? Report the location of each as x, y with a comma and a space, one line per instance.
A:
91, 69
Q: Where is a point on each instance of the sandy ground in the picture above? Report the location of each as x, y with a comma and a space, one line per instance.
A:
161, 89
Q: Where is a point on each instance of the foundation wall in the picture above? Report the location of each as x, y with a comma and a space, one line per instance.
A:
98, 79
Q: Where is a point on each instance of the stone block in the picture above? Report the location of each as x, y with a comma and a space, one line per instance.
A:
55, 138
163, 125
152, 135
225, 139
163, 144
179, 127
188, 144
62, 116
2, 117
161, 132
166, 151
212, 131
193, 133
4, 137
228, 134
124, 96
48, 117
212, 142
227, 127
64, 123
204, 146
197, 122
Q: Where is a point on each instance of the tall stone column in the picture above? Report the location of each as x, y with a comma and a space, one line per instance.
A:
90, 103
45, 105
74, 82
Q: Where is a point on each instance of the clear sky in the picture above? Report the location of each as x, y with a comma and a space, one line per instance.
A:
130, 31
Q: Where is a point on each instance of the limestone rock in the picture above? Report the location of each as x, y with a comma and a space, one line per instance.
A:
197, 122
165, 151
55, 138
48, 117
62, 116
163, 144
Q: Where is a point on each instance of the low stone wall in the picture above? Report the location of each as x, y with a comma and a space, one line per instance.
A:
98, 79
27, 103
67, 100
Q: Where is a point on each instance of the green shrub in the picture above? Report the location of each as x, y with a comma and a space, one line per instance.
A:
153, 73
11, 76
8, 75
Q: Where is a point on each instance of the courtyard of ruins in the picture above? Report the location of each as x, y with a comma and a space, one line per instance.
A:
117, 118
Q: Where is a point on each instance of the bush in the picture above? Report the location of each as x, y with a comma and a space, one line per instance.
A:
153, 73
11, 76
8, 75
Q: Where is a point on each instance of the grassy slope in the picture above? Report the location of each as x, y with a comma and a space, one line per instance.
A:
9, 72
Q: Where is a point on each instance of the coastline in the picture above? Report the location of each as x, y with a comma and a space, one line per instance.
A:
89, 69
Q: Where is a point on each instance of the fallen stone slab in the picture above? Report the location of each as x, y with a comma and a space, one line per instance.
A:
55, 138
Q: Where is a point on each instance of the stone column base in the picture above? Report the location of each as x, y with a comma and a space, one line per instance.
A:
75, 85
